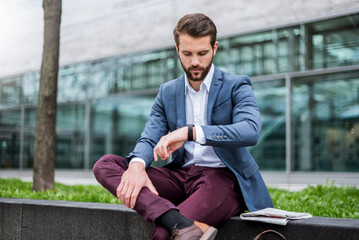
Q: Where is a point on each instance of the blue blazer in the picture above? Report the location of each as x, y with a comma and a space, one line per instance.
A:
233, 124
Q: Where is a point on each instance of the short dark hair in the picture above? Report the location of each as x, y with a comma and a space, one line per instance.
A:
195, 25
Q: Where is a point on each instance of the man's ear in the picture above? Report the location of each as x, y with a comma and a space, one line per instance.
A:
215, 46
176, 48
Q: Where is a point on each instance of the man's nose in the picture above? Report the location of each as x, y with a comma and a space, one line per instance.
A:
195, 61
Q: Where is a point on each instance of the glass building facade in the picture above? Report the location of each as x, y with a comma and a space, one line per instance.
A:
305, 78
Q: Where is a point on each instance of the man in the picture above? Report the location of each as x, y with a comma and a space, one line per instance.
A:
205, 119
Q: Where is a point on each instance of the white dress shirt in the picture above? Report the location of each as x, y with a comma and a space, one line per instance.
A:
196, 113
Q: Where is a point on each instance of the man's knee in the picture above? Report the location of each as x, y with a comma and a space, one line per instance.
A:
106, 161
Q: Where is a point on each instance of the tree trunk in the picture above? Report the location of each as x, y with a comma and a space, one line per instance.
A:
45, 136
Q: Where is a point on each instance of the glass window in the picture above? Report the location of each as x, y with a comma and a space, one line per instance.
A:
282, 56
10, 121
297, 48
71, 87
263, 53
226, 60
29, 137
154, 71
170, 69
122, 75
326, 122
149, 70
30, 84
122, 82
269, 152
99, 81
70, 131
138, 77
10, 91
117, 123
335, 42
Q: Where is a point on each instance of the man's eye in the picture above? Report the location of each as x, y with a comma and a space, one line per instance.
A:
187, 54
202, 53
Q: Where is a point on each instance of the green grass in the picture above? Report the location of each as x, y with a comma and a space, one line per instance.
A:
15, 188
322, 201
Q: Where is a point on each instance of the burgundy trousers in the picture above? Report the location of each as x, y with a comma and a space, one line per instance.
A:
204, 194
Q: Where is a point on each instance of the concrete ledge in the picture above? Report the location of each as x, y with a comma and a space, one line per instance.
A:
42, 219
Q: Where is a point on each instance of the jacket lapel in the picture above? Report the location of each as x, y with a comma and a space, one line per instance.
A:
180, 103
213, 93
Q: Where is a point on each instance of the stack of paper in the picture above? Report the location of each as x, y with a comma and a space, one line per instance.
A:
274, 216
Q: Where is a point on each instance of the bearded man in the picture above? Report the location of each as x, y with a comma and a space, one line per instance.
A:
205, 118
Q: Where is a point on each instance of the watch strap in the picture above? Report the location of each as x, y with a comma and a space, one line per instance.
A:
190, 132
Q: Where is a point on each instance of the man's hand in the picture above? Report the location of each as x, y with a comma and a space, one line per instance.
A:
171, 142
133, 180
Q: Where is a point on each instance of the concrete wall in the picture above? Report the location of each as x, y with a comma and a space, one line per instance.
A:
41, 219
104, 28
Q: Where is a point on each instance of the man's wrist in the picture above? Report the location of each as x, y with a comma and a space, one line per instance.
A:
139, 160
190, 132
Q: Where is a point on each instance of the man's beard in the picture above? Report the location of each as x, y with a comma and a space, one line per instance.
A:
202, 76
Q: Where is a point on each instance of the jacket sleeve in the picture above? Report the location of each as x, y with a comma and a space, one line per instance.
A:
246, 123
155, 128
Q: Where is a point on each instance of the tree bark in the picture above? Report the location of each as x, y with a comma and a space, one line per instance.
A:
45, 136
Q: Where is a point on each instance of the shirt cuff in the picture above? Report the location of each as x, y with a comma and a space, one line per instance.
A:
137, 159
200, 137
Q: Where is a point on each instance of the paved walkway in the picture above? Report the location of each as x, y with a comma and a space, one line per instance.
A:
292, 182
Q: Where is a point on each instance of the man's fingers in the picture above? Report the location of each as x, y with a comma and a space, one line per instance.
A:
161, 149
160, 152
132, 181
165, 148
134, 196
123, 192
128, 197
155, 155
169, 143
169, 153
157, 152
152, 188
127, 194
119, 189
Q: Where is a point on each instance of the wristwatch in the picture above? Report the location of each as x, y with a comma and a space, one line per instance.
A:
190, 132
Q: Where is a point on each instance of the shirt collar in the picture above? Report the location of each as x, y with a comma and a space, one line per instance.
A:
206, 83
